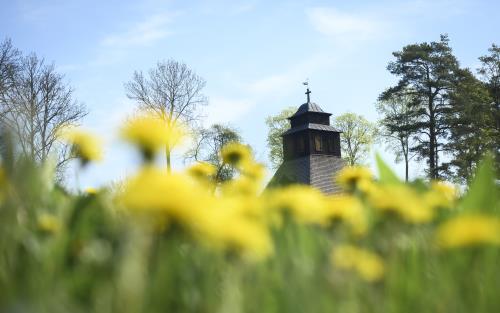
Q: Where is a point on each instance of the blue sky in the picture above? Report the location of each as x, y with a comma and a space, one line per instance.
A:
253, 54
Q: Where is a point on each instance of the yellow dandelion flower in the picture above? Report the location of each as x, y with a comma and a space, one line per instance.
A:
151, 134
85, 146
366, 186
90, 191
441, 194
174, 196
306, 204
469, 230
48, 223
402, 200
201, 170
235, 224
368, 265
253, 170
235, 153
242, 185
350, 210
349, 177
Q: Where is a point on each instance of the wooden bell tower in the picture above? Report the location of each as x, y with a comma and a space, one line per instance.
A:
311, 149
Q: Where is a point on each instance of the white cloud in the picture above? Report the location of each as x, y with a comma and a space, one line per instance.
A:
146, 32
343, 25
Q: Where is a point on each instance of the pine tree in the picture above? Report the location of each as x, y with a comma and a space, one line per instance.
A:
471, 122
490, 74
426, 72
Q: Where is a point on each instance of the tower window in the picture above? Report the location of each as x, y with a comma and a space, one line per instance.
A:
318, 144
330, 144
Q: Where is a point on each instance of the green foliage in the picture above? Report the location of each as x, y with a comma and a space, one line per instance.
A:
490, 74
277, 125
471, 126
398, 118
386, 175
358, 134
483, 193
208, 145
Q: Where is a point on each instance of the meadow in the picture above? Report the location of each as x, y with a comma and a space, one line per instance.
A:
174, 242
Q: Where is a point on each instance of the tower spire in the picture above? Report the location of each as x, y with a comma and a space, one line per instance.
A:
308, 92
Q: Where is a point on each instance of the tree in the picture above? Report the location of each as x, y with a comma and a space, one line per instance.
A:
398, 118
358, 134
35, 105
277, 125
9, 63
171, 91
490, 74
427, 72
208, 145
472, 126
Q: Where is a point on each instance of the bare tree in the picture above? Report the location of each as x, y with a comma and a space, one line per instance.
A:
9, 63
35, 106
171, 91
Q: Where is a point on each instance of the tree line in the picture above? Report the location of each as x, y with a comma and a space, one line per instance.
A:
438, 112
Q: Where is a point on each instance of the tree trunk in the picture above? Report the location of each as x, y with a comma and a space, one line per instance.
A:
168, 154
432, 140
406, 167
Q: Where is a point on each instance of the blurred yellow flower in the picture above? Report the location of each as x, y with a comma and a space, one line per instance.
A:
469, 230
201, 170
349, 177
241, 186
174, 196
441, 194
350, 210
234, 229
85, 146
235, 153
306, 204
253, 170
90, 191
368, 265
48, 223
403, 200
151, 134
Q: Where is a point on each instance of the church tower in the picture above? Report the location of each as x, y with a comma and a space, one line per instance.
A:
311, 150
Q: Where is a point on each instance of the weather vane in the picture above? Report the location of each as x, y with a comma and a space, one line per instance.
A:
306, 83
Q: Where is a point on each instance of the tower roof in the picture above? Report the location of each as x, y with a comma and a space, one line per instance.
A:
315, 126
309, 107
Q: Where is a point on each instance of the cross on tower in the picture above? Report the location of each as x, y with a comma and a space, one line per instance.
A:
308, 92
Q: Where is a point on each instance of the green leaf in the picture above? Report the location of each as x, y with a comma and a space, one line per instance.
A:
483, 192
385, 173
